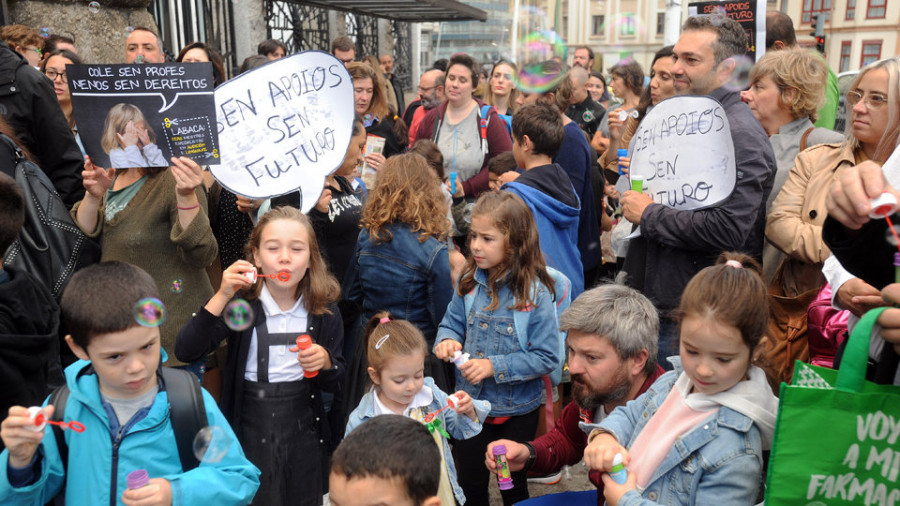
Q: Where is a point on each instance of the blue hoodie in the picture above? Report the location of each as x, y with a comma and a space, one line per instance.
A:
548, 192
101, 457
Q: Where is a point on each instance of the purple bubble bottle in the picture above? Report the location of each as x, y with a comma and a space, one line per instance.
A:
504, 479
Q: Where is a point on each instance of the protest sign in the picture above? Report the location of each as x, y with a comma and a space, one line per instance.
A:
751, 14
683, 150
141, 115
285, 126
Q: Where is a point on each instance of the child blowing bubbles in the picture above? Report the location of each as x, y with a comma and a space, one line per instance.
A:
116, 393
715, 404
275, 410
396, 354
505, 273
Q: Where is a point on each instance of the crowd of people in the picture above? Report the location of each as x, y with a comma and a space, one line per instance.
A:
471, 285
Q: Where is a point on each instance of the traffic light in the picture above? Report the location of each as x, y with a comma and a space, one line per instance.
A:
818, 30
820, 44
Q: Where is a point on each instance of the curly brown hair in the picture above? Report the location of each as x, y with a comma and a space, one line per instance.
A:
318, 287
523, 263
406, 191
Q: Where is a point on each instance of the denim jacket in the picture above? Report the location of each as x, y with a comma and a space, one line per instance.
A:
719, 462
515, 388
458, 426
411, 279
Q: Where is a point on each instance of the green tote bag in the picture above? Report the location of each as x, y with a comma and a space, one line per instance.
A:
837, 437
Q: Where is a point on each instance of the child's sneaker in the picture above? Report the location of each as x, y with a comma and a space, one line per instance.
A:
550, 479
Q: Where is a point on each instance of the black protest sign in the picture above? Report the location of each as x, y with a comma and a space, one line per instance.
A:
750, 14
141, 115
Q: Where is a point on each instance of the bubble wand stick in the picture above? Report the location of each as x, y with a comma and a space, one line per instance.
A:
40, 420
883, 207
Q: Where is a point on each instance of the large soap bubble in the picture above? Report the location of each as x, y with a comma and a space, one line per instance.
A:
541, 58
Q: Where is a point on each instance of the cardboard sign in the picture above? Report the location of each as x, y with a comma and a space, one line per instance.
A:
751, 14
684, 151
285, 126
141, 115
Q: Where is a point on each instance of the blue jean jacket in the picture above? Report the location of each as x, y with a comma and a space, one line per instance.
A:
458, 426
717, 463
515, 388
411, 279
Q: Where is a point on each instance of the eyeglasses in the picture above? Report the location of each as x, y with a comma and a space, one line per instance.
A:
872, 101
52, 74
36, 50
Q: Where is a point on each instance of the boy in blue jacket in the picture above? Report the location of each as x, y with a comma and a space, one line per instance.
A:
538, 133
117, 393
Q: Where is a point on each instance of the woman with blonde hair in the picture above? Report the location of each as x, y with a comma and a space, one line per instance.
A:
401, 263
129, 140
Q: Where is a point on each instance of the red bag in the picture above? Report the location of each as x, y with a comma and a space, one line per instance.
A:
826, 329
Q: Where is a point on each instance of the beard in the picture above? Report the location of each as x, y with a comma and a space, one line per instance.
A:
589, 398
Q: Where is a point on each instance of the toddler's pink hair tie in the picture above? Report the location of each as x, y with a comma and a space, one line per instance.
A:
383, 320
734, 263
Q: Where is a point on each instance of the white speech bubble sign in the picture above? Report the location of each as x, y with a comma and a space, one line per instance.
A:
684, 151
284, 126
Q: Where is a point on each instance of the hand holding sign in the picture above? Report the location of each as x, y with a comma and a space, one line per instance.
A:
284, 126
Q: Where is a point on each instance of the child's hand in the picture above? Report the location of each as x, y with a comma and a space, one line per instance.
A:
143, 135
96, 180
188, 175
465, 406
156, 493
516, 455
600, 452
324, 200
235, 278
458, 191
446, 348
314, 358
477, 369
19, 440
613, 491
130, 138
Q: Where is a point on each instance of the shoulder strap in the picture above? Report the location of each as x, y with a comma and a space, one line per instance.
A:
58, 399
187, 410
805, 137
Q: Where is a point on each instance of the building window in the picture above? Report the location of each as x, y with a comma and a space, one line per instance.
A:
845, 56
660, 24
626, 26
816, 6
599, 25
871, 51
851, 10
876, 9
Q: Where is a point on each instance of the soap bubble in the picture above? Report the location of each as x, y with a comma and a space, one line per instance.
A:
740, 77
211, 444
94, 7
238, 315
177, 286
541, 57
45, 32
889, 235
587, 116
150, 312
129, 29
139, 58
627, 24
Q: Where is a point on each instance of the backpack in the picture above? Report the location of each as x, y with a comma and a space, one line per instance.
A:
186, 408
563, 288
507, 119
50, 245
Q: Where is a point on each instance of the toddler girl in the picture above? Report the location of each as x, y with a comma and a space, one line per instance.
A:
129, 140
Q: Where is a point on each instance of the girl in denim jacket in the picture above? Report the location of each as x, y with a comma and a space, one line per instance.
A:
396, 352
504, 274
698, 435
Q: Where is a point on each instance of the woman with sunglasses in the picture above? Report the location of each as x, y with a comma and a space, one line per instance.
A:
794, 224
54, 67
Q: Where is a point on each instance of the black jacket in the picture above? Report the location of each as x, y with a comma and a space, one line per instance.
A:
204, 332
29, 105
29, 318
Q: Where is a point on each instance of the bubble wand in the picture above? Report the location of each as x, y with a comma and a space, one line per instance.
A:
39, 419
283, 276
452, 402
883, 207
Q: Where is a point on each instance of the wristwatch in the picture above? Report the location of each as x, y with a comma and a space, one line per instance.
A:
532, 454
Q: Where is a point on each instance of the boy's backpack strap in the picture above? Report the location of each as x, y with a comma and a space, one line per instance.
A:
187, 410
58, 399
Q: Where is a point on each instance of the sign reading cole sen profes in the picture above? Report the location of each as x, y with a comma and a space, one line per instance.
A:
142, 115
284, 127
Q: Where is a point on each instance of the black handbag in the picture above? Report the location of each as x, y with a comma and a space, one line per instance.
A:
50, 245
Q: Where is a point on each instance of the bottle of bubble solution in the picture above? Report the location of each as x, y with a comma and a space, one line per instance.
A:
617, 472
137, 479
504, 479
460, 358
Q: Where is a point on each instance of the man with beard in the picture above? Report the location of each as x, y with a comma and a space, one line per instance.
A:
611, 350
431, 94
